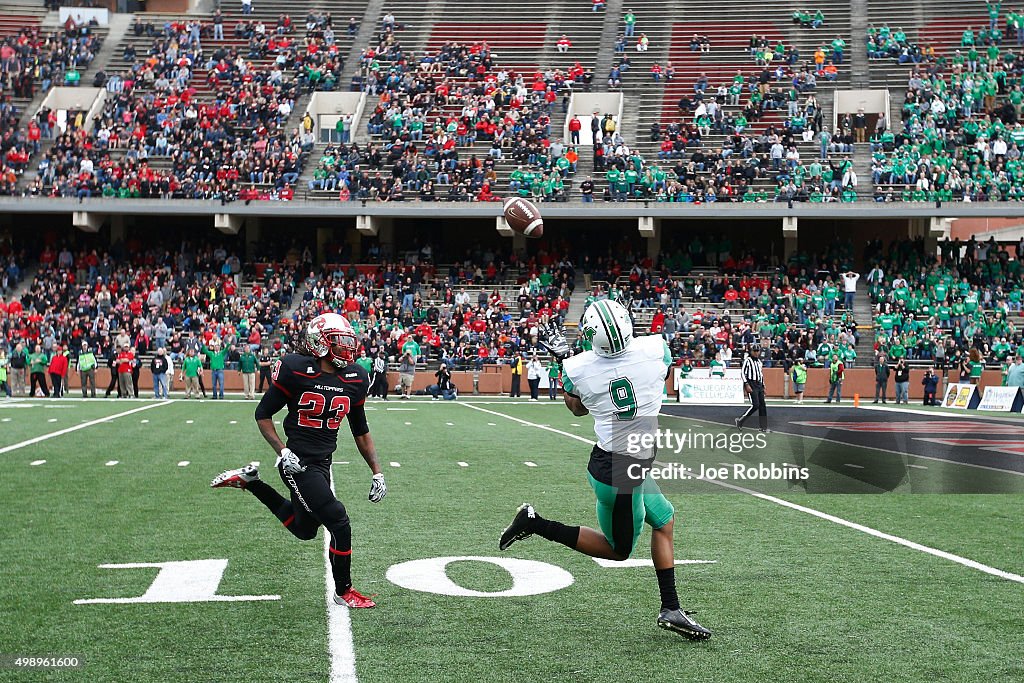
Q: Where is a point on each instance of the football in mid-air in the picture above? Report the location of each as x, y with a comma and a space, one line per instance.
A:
523, 217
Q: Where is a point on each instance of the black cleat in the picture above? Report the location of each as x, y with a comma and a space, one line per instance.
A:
520, 528
678, 621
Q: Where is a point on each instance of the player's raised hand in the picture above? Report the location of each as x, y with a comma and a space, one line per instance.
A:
289, 462
378, 489
556, 343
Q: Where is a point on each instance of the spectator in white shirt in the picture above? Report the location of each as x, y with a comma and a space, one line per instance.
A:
850, 288
534, 370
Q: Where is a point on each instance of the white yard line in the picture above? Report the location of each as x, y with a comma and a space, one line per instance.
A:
61, 432
935, 552
339, 626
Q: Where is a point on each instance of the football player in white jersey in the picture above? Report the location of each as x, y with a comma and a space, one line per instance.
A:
620, 381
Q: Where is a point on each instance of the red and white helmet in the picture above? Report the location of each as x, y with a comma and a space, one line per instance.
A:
326, 333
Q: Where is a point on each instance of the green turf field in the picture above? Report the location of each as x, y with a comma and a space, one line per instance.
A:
790, 596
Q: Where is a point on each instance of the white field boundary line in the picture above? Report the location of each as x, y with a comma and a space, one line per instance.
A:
848, 444
959, 415
340, 646
83, 425
935, 552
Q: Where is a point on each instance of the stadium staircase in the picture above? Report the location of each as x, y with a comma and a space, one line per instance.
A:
863, 314
368, 26
613, 12
669, 24
28, 274
577, 304
860, 70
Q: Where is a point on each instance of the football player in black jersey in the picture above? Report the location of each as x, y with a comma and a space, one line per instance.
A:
320, 390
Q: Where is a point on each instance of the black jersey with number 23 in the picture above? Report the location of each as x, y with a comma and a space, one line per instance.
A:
317, 403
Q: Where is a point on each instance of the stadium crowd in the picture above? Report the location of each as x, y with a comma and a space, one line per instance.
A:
466, 317
143, 299
28, 59
430, 106
951, 310
710, 300
961, 137
184, 121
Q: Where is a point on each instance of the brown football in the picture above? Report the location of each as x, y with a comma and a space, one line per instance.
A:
523, 217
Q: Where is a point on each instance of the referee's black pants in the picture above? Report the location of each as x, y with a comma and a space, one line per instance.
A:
756, 403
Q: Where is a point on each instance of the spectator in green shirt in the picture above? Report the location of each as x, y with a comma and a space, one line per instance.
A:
1015, 373
976, 365
247, 366
554, 372
191, 367
630, 21
838, 45
365, 362
216, 356
37, 363
411, 346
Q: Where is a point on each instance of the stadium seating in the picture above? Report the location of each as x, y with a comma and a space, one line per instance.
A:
38, 53
657, 102
704, 41
519, 42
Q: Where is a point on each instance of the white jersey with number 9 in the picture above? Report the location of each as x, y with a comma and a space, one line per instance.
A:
621, 390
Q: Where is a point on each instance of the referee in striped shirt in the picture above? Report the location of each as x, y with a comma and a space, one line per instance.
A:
753, 386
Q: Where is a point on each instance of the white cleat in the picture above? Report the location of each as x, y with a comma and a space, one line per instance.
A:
239, 478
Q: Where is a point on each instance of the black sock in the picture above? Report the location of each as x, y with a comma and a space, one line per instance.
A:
341, 558
274, 501
557, 532
667, 586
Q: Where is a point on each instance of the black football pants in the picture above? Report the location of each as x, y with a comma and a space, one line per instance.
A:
312, 505
757, 404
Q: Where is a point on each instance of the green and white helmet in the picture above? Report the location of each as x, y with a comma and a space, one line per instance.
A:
608, 326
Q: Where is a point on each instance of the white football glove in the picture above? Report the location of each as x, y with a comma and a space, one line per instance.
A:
378, 489
289, 462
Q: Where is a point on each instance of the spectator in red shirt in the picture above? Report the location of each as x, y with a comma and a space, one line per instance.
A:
485, 194
731, 295
59, 372
125, 365
574, 129
658, 322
